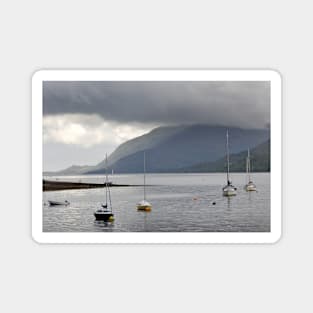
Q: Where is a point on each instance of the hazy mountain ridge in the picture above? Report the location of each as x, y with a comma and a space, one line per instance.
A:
182, 147
144, 142
178, 149
260, 162
72, 170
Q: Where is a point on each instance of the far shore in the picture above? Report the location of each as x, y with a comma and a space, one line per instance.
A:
49, 185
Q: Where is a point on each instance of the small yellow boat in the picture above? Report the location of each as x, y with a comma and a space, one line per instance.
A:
144, 206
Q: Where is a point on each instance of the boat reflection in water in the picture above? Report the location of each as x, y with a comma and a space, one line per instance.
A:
103, 224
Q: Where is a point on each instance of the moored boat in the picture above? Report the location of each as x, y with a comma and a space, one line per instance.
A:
250, 186
105, 212
144, 205
53, 203
229, 189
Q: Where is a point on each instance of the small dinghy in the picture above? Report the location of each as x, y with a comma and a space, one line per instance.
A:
105, 213
144, 205
228, 190
250, 186
52, 203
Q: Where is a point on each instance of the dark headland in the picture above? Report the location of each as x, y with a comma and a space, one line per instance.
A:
49, 185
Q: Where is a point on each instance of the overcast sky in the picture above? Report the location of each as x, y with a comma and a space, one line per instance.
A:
84, 120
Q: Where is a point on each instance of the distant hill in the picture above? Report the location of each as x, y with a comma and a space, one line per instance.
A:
72, 170
260, 162
169, 149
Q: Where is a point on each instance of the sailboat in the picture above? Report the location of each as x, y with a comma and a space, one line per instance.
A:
105, 213
229, 189
144, 205
250, 186
59, 203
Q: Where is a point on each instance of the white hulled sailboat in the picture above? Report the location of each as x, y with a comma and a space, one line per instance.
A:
229, 189
53, 203
250, 186
58, 203
144, 205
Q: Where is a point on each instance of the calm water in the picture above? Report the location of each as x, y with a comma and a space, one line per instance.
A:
180, 202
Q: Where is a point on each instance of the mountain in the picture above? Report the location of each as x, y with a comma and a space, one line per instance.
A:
260, 162
72, 170
182, 148
179, 147
144, 142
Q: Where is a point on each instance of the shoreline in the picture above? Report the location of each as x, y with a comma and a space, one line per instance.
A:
48, 185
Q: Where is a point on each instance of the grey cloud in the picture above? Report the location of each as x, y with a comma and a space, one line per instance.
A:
241, 104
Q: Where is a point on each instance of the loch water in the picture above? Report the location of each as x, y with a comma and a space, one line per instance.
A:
180, 203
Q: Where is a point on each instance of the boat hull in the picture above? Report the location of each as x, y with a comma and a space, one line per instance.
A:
53, 203
229, 191
106, 217
144, 207
250, 187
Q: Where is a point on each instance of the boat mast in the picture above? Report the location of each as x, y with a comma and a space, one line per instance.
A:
248, 165
107, 189
227, 155
106, 180
247, 170
144, 175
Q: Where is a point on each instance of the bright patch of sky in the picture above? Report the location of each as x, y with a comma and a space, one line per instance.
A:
88, 130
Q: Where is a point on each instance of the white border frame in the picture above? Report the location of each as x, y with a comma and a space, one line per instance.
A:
156, 75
